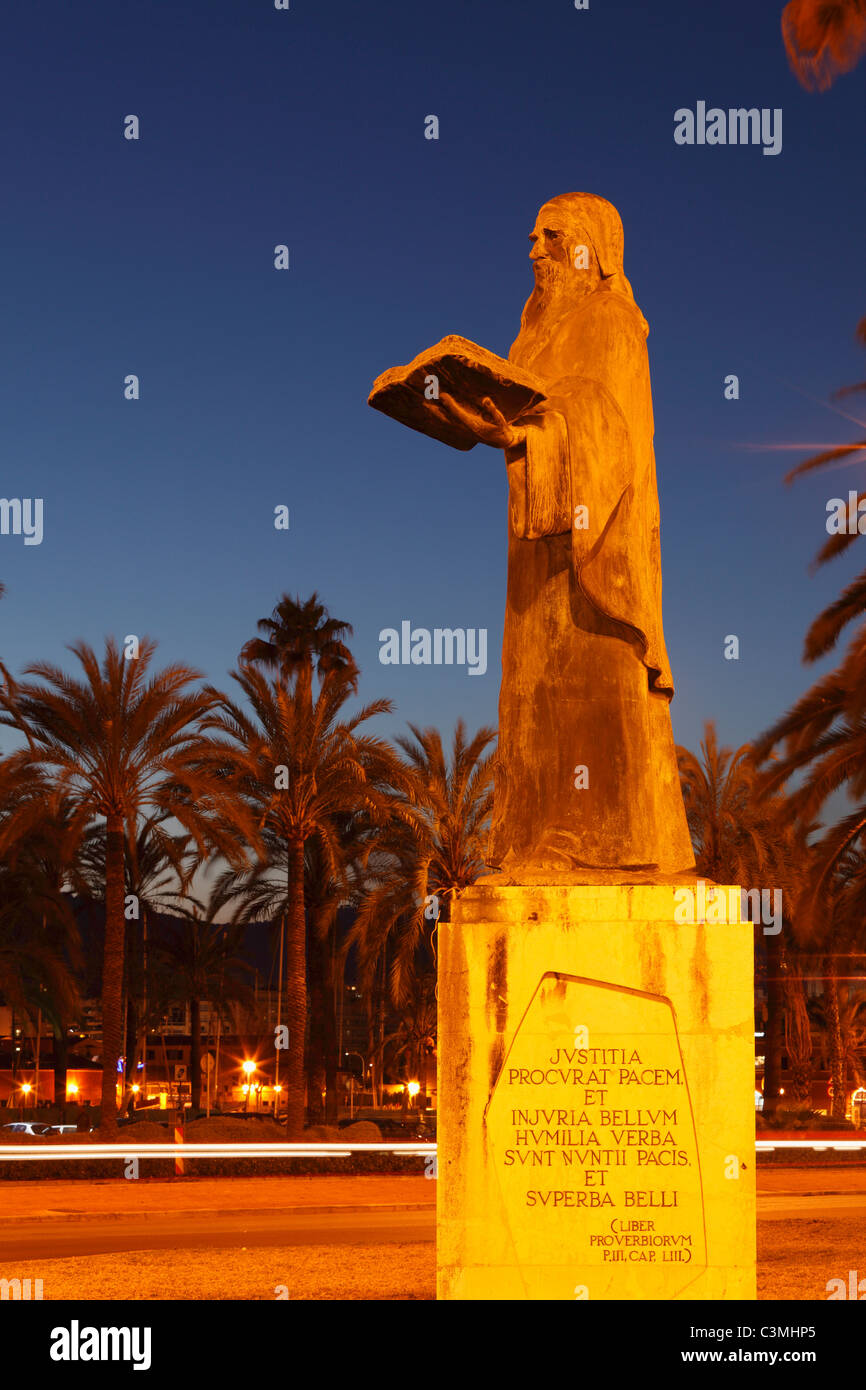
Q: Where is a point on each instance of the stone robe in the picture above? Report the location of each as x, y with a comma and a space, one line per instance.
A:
586, 682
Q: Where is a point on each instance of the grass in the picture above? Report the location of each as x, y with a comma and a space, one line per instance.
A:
322, 1272
795, 1262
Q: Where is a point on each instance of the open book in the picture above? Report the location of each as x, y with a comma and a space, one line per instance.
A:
460, 369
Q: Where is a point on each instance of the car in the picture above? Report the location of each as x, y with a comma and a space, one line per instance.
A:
26, 1127
61, 1129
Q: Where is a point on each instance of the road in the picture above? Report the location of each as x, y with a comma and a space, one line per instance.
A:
23, 1240
826, 1205
61, 1218
103, 1234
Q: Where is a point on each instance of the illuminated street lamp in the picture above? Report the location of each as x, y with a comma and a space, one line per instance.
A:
248, 1068
26, 1088
413, 1088
71, 1088
352, 1081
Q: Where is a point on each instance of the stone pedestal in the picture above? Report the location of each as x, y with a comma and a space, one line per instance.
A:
596, 1127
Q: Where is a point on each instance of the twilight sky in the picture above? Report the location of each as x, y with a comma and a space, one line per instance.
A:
306, 127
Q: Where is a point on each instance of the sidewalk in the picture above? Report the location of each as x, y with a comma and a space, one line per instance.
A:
78, 1201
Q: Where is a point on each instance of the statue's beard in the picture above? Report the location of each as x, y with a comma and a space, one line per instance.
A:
554, 294
554, 285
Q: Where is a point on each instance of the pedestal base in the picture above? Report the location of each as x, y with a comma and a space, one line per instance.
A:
596, 1127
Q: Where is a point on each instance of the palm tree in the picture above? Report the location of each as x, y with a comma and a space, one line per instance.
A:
158, 866
824, 735
837, 936
797, 1027
118, 745
301, 769
41, 865
840, 1016
743, 832
414, 1039
326, 890
823, 38
36, 935
429, 857
825, 732
301, 635
729, 826
829, 625
418, 865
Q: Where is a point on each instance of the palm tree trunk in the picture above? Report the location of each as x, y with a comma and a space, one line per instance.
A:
315, 1054
333, 982
195, 1052
37, 1088
775, 1031
112, 971
837, 1052
216, 1070
798, 1034
61, 1064
296, 992
144, 997
379, 1039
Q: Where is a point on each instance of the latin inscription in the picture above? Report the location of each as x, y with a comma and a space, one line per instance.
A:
600, 1140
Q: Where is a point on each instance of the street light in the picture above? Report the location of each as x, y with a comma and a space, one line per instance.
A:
248, 1067
352, 1082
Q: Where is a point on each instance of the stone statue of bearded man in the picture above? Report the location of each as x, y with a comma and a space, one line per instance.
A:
587, 786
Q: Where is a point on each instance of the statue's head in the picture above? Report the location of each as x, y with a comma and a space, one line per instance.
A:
577, 242
576, 249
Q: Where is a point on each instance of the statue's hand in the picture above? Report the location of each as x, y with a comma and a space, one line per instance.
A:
488, 425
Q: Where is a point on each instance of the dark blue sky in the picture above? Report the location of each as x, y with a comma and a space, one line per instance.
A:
306, 127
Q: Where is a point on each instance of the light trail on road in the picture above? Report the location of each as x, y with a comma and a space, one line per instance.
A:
16, 1153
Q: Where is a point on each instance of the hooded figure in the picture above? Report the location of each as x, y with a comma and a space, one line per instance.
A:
587, 782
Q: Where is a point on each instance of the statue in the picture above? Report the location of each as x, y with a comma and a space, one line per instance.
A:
587, 787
